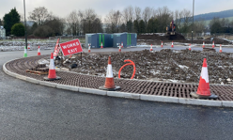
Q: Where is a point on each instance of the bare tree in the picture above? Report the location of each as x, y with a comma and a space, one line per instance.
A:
40, 15
199, 26
138, 14
164, 16
112, 21
147, 14
90, 22
73, 22
125, 15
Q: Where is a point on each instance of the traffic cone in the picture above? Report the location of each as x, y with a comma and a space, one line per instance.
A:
151, 49
172, 44
122, 45
102, 45
109, 81
203, 90
161, 44
120, 48
89, 48
52, 72
38, 53
203, 46
213, 45
28, 46
25, 52
190, 47
220, 50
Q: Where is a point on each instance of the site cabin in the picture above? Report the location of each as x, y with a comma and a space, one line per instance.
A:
110, 40
96, 39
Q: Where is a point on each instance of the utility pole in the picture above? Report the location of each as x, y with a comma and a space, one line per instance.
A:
25, 24
193, 21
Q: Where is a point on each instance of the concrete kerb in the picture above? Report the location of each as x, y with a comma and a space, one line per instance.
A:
67, 87
123, 94
92, 91
159, 98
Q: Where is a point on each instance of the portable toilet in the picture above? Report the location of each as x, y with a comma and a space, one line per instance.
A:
128, 39
96, 39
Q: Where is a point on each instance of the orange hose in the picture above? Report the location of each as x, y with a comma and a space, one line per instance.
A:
131, 63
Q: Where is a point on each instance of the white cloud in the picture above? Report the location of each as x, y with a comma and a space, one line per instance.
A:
62, 8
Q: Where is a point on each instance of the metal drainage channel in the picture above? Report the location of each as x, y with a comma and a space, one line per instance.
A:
19, 66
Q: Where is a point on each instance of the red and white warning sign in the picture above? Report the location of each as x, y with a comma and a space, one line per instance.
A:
71, 47
56, 49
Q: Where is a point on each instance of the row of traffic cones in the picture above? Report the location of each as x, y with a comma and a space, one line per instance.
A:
25, 52
203, 90
213, 45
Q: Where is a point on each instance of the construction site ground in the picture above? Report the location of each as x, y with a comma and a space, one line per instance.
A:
170, 65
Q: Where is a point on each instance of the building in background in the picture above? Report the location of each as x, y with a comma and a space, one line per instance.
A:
2, 32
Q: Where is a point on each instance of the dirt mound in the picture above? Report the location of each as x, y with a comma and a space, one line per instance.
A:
161, 36
166, 65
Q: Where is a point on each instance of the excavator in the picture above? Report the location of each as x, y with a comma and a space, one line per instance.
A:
171, 30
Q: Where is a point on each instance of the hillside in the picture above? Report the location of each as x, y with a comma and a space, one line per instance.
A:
210, 16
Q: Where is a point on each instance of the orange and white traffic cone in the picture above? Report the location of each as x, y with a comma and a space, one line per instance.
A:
190, 47
89, 48
161, 44
213, 45
38, 53
203, 90
102, 45
203, 46
109, 81
120, 48
172, 44
29, 47
220, 50
122, 45
52, 72
151, 49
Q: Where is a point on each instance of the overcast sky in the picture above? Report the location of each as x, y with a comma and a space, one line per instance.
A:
62, 8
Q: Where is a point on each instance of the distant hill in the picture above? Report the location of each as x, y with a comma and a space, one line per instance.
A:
210, 16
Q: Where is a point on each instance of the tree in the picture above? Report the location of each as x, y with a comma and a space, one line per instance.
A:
31, 30
123, 28
152, 25
10, 19
18, 29
1, 23
137, 13
43, 31
147, 13
142, 27
40, 15
112, 21
57, 25
90, 22
215, 28
129, 26
73, 22
136, 26
164, 17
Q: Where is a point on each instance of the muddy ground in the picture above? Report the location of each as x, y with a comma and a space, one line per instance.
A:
157, 38
166, 65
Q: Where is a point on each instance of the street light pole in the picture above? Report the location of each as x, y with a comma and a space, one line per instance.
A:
25, 25
193, 21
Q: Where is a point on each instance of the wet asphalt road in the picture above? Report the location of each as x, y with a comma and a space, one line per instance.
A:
29, 111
